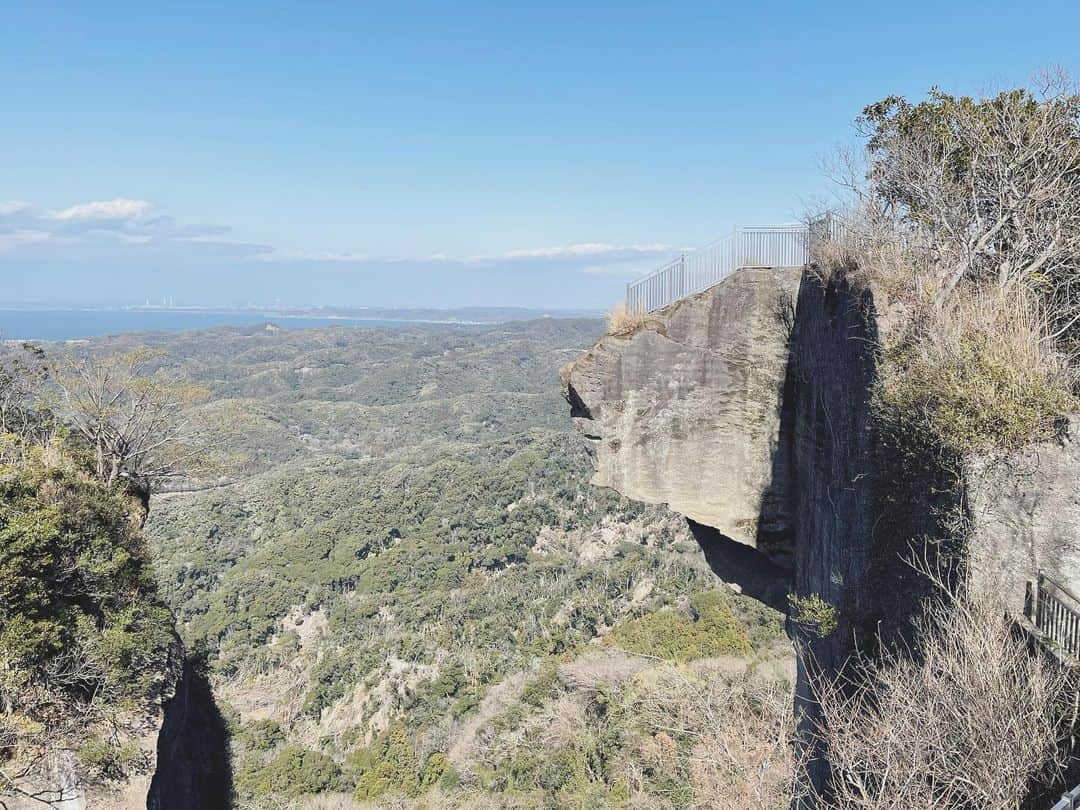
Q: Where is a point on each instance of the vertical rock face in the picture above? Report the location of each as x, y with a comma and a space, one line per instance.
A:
1025, 514
858, 506
686, 410
193, 767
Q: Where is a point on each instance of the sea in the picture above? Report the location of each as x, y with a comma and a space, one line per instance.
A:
76, 324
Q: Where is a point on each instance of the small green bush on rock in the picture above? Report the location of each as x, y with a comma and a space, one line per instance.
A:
813, 614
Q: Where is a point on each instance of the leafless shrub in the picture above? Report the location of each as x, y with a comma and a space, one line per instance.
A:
604, 668
739, 726
23, 374
971, 722
870, 249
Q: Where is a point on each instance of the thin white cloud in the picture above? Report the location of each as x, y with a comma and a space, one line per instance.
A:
109, 225
22, 236
11, 207
125, 228
579, 251
617, 270
274, 255
118, 209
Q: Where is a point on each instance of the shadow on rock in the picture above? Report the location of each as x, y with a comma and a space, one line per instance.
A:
193, 769
742, 565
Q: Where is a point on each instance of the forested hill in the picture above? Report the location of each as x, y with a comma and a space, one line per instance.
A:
398, 557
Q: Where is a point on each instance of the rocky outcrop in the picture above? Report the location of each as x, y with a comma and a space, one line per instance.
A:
193, 769
686, 410
751, 415
768, 437
1025, 516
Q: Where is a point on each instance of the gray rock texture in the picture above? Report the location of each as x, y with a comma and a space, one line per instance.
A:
686, 410
1025, 513
761, 429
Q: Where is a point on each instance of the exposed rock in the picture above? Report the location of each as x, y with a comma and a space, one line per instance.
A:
1025, 512
856, 510
686, 410
757, 434
770, 439
193, 767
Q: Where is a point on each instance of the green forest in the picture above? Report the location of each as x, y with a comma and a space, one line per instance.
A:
403, 580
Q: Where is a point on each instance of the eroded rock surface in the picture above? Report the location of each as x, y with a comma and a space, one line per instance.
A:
1025, 512
686, 410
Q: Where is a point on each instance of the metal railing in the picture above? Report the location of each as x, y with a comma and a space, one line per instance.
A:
1069, 800
1055, 612
758, 246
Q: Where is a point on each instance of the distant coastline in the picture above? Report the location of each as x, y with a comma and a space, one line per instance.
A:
55, 323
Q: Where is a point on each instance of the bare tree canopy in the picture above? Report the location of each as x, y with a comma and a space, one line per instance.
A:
136, 422
990, 186
23, 373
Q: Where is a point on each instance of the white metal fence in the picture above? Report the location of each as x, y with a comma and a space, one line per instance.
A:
758, 246
1069, 800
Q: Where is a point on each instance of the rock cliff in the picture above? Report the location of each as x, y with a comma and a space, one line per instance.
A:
1025, 512
758, 427
686, 410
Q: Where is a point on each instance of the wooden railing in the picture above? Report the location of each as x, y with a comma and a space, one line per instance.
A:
1055, 612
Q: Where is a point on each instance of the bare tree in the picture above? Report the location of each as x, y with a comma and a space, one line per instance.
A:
23, 373
992, 185
137, 424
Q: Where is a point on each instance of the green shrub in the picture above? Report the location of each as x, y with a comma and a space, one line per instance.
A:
439, 771
712, 630
104, 760
539, 689
263, 735
813, 614
389, 766
451, 679
74, 578
293, 772
560, 769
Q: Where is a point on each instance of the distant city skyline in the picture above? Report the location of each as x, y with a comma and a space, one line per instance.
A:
428, 155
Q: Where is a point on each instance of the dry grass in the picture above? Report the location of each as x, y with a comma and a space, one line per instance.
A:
977, 373
973, 723
870, 253
738, 725
622, 322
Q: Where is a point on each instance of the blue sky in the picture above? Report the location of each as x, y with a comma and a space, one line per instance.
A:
442, 153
